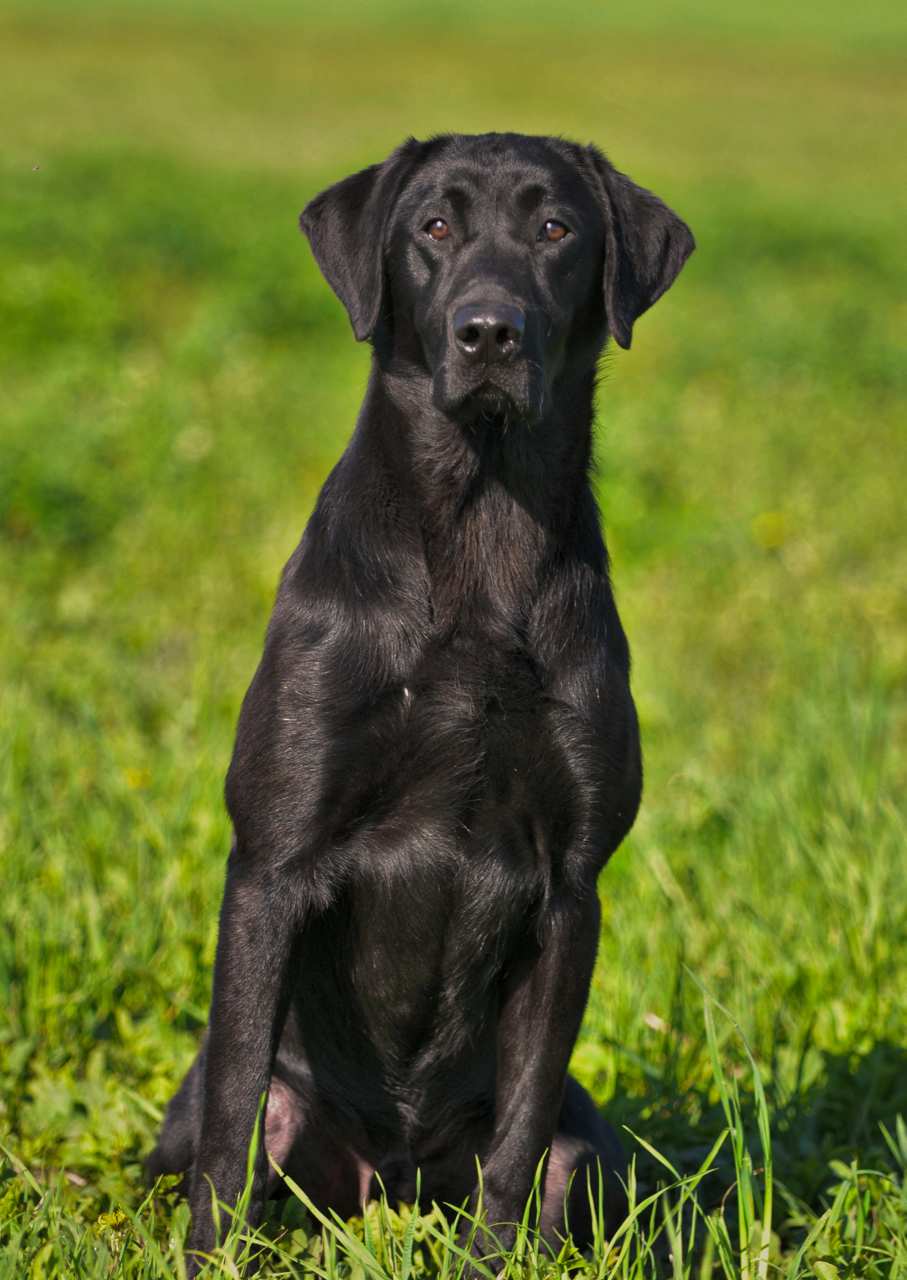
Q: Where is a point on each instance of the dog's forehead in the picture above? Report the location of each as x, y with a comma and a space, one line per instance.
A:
506, 167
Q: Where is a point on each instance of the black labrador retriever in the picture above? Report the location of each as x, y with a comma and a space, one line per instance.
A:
439, 750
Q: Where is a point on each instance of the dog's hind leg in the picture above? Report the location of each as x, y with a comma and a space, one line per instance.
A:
301, 1144
314, 1154
178, 1143
586, 1149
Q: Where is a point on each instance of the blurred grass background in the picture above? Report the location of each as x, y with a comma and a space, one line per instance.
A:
176, 381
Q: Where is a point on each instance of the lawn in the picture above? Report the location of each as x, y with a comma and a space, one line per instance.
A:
177, 379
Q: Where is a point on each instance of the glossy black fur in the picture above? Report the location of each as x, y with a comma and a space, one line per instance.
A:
439, 750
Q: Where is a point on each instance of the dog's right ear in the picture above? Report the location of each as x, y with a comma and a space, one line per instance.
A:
347, 227
646, 245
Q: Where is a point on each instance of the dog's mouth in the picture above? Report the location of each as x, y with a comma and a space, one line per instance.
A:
490, 403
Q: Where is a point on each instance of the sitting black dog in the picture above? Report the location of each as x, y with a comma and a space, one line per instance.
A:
439, 750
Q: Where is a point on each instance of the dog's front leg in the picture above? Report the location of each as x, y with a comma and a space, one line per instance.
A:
542, 1007
259, 924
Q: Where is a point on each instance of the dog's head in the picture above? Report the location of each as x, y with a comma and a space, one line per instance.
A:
494, 265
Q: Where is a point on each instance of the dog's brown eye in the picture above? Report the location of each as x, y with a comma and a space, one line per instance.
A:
438, 229
554, 231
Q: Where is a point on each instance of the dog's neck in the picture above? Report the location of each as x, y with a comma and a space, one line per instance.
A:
542, 466
494, 502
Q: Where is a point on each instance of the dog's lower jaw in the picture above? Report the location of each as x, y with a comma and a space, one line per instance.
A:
490, 401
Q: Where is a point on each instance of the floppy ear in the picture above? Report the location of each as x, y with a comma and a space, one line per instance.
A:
347, 229
646, 245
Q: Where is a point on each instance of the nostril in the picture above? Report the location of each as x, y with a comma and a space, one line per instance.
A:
507, 336
469, 334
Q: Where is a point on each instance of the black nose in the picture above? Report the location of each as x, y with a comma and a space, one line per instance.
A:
488, 332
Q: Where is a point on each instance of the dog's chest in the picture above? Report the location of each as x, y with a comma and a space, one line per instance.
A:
451, 830
471, 749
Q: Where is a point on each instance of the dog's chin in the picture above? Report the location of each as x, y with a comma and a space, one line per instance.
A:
490, 405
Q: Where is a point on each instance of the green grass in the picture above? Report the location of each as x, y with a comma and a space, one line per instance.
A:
176, 381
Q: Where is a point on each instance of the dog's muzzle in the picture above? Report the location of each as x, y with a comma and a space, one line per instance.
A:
490, 369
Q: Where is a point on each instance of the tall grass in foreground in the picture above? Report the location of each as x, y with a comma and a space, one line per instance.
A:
669, 1232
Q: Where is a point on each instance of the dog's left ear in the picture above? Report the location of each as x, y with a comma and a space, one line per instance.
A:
347, 229
646, 245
